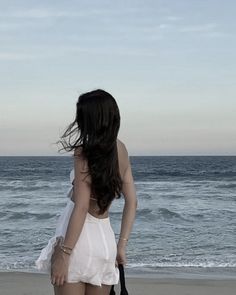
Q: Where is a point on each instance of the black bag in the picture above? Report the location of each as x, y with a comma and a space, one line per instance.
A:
123, 290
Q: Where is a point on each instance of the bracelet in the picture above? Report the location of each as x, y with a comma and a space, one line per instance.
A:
124, 239
64, 246
65, 251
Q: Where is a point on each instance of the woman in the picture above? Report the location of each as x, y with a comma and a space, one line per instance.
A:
85, 255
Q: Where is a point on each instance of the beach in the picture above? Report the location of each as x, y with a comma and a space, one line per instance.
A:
23, 283
150, 82
177, 245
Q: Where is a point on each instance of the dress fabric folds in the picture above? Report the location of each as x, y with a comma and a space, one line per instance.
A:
93, 257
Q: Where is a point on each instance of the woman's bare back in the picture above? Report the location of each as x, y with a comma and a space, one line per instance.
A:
123, 163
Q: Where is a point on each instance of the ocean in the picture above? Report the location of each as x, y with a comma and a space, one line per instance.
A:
185, 222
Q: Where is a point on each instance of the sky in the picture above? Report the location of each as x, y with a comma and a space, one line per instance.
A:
169, 64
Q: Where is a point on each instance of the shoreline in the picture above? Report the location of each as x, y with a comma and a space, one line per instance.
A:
20, 283
196, 273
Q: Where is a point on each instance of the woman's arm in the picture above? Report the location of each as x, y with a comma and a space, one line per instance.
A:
81, 197
60, 260
129, 211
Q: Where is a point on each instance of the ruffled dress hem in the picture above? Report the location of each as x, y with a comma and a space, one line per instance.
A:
96, 273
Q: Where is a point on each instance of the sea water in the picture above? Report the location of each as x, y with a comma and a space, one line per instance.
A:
185, 221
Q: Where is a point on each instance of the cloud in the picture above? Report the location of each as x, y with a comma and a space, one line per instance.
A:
17, 56
120, 51
8, 26
209, 29
15, 25
173, 18
45, 52
199, 28
13, 56
220, 34
165, 26
38, 13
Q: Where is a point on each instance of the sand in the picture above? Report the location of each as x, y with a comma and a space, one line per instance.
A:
23, 283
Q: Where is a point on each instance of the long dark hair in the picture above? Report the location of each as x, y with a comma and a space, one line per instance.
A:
95, 129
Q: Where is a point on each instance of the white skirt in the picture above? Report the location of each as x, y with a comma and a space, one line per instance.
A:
92, 259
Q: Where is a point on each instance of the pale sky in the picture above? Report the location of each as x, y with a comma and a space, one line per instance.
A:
171, 66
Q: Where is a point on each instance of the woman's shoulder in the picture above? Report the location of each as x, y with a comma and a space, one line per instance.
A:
123, 157
80, 159
122, 147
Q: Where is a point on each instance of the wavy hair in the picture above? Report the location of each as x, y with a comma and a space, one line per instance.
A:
95, 129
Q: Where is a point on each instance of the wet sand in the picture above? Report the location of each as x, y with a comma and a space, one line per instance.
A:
23, 283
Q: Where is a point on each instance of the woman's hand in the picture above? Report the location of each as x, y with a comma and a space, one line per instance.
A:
59, 266
121, 255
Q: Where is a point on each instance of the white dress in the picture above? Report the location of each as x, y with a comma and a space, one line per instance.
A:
93, 257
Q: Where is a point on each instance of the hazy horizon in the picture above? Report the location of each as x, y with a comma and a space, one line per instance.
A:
169, 65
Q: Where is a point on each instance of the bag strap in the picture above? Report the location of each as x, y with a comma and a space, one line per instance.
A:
122, 280
123, 290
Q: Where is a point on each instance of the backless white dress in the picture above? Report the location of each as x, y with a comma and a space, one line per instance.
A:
93, 257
